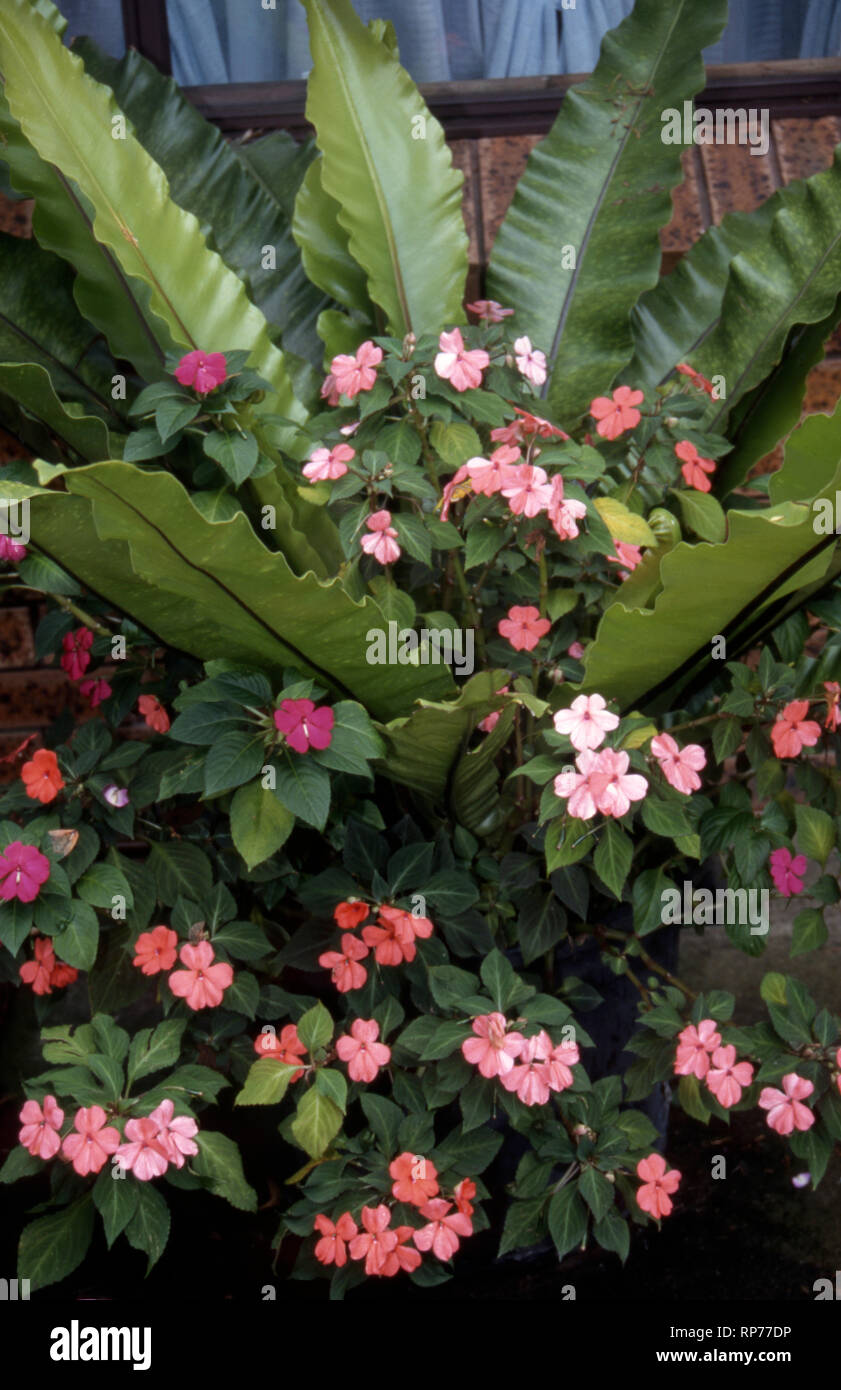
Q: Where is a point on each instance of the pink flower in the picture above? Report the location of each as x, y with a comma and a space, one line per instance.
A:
694, 1048
653, 1196
415, 1179
11, 550
576, 785
491, 475
357, 373
403, 1256
586, 721
382, 542
349, 914
38, 972
346, 974
203, 983
204, 371
695, 468
327, 464
458, 486
613, 787
833, 705
155, 950
531, 1077
576, 651
23, 869
490, 310
332, 1248
559, 1063
393, 937
375, 1242
787, 872
40, 1127
564, 514
679, 766
524, 427
523, 627
627, 555
531, 363
93, 1143
528, 490
441, 1235
95, 691
492, 1050
115, 796
489, 723
330, 391
617, 415
461, 366
785, 1111
176, 1133
143, 1154
727, 1077
793, 731
75, 658
287, 1048
696, 378
303, 725
363, 1054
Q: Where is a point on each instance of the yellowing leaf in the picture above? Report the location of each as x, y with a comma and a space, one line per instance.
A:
623, 524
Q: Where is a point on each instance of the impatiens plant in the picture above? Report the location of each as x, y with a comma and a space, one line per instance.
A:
430, 662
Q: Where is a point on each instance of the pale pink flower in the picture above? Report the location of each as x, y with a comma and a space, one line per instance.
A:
785, 1109
654, 1195
727, 1078
490, 310
618, 414
564, 514
586, 722
204, 371
523, 627
461, 366
363, 1054
527, 490
40, 1127
559, 1063
203, 983
613, 787
531, 362
117, 797
143, 1154
694, 1048
175, 1133
330, 391
356, 373
530, 1078
93, 1143
627, 555
382, 541
493, 1050
441, 1235
576, 785
375, 1242
787, 872
488, 476
325, 465
679, 766
576, 651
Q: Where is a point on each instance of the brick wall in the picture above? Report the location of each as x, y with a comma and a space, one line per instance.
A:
718, 180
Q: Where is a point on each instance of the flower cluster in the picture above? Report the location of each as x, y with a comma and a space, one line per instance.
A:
202, 982
146, 1148
391, 938
532, 1068
44, 973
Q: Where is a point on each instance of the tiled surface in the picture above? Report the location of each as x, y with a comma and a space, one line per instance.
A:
736, 180
805, 147
16, 644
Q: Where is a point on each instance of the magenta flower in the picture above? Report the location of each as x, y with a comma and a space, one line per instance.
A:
23, 869
352, 374
303, 726
75, 656
787, 872
785, 1109
204, 371
531, 363
95, 691
10, 549
382, 541
679, 766
459, 365
586, 721
325, 465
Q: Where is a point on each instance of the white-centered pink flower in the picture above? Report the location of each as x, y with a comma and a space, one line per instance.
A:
564, 513
527, 490
358, 372
574, 786
325, 465
613, 787
531, 362
462, 367
493, 1050
488, 476
586, 721
679, 766
381, 542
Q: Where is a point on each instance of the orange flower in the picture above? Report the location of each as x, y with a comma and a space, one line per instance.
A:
41, 776
155, 950
154, 713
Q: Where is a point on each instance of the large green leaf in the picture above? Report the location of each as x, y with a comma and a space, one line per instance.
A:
421, 749
387, 165
323, 243
30, 386
182, 290
599, 184
212, 588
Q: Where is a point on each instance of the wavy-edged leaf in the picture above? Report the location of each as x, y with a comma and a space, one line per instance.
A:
30, 386
323, 244
599, 183
399, 196
421, 749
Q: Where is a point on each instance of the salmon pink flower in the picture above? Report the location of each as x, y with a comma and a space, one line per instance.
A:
356, 373
403, 1256
175, 1133
459, 365
204, 371
785, 1109
143, 1153
787, 872
39, 972
523, 627
382, 541
564, 513
332, 1248
459, 486
586, 722
679, 766
489, 476
530, 1077
493, 1050
325, 465
346, 973
531, 362
10, 550
363, 1054
153, 713
614, 788
93, 1143
330, 391
575, 784
464, 1194
40, 1127
393, 937
76, 652
287, 1048
833, 705
95, 691
527, 490
375, 1241
696, 378
303, 725
203, 983
655, 1194
694, 1048
441, 1235
489, 723
490, 310
627, 555
726, 1077
155, 950
350, 914
695, 468
41, 776
415, 1179
23, 869
793, 731
559, 1063
618, 414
